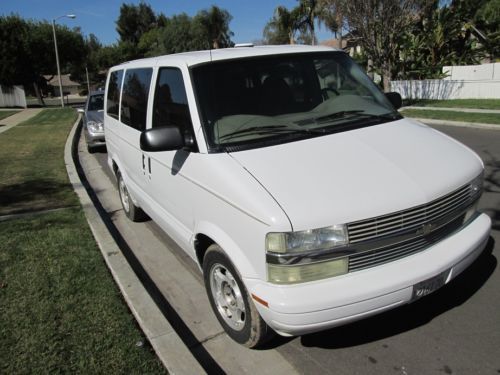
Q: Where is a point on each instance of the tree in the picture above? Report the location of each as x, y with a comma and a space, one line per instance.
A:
330, 14
379, 25
135, 20
282, 27
308, 11
215, 24
441, 36
27, 51
487, 20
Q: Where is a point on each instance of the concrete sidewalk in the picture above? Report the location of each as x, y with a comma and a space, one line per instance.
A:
469, 110
16, 119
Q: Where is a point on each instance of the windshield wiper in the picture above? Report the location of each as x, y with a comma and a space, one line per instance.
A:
336, 115
357, 113
271, 129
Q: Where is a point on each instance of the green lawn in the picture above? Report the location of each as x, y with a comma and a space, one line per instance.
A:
5, 114
457, 103
60, 310
487, 118
32, 171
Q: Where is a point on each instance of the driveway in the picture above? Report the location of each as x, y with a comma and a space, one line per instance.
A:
453, 331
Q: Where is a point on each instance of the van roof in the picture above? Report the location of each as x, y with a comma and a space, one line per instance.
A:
200, 57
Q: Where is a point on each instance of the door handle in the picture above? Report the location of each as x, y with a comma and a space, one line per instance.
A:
149, 164
143, 162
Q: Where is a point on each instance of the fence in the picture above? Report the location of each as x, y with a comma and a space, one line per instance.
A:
12, 96
462, 82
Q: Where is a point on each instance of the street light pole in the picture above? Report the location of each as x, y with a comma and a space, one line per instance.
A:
57, 55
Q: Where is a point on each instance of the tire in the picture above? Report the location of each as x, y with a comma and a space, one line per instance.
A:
133, 212
230, 301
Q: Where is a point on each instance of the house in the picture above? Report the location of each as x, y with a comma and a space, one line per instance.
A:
69, 87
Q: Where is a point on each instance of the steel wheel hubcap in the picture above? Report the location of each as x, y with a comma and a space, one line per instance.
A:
124, 195
227, 296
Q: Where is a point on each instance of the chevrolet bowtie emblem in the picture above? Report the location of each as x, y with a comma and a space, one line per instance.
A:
427, 228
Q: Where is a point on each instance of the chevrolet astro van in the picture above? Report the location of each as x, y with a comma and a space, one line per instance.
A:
307, 200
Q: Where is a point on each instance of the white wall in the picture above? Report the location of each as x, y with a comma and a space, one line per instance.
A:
483, 72
447, 89
462, 82
12, 96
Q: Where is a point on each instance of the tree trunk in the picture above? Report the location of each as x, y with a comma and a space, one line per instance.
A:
38, 94
386, 77
369, 70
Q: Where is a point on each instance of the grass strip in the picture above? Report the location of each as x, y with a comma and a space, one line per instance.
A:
5, 114
60, 310
485, 118
457, 103
32, 171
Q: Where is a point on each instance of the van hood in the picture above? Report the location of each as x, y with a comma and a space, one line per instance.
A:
363, 173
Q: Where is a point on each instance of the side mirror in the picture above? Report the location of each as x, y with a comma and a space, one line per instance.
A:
166, 138
395, 99
80, 110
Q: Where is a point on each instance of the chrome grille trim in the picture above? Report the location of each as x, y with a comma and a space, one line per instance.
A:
393, 223
393, 252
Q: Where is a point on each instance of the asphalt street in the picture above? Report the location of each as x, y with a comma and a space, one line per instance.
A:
456, 330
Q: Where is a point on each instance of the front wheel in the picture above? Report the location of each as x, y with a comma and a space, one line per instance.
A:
230, 300
133, 212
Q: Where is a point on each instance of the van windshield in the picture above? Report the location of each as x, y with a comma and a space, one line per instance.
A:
267, 100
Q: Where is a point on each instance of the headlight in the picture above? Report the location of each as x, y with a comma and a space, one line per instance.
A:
95, 127
307, 240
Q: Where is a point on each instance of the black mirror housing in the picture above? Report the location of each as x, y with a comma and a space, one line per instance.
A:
166, 138
395, 99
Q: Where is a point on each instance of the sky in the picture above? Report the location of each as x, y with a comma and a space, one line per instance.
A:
98, 16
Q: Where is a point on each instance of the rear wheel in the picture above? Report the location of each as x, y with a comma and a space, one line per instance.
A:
230, 301
133, 212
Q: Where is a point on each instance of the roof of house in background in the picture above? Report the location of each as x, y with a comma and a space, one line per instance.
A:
335, 43
66, 81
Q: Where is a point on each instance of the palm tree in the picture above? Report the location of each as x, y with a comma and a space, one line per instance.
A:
282, 27
215, 21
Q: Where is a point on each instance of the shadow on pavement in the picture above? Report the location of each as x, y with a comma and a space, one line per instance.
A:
410, 316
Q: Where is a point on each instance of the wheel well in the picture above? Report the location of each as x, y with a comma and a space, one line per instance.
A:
115, 168
201, 244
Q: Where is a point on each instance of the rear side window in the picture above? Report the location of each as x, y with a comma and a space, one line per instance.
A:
135, 97
170, 105
113, 98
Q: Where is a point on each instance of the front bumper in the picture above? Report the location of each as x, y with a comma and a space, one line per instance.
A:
94, 139
310, 307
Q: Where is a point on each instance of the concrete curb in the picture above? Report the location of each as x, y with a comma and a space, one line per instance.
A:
169, 347
476, 125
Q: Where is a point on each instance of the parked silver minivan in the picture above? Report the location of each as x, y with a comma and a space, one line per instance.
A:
307, 200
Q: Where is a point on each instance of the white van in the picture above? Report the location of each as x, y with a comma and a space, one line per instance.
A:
307, 200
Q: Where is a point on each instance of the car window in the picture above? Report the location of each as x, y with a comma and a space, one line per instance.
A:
113, 98
96, 102
135, 97
170, 104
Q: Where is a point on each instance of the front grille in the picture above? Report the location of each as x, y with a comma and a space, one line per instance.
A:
400, 234
413, 218
392, 252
